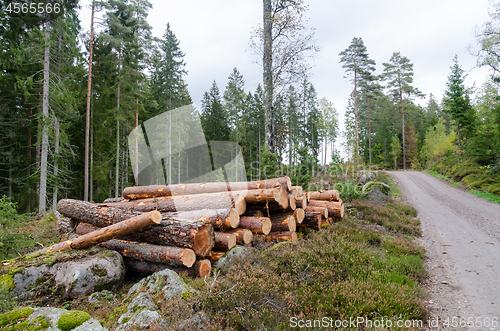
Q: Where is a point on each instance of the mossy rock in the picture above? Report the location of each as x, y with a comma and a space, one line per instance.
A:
14, 315
72, 319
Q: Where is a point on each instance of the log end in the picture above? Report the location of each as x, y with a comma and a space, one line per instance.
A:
231, 242
188, 257
292, 223
204, 240
239, 204
266, 227
299, 215
247, 236
234, 218
203, 268
342, 211
291, 202
155, 217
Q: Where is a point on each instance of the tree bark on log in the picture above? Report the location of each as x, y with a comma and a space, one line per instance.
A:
297, 191
152, 191
224, 241
335, 209
331, 195
282, 236
243, 236
141, 251
223, 200
256, 224
199, 269
253, 212
194, 234
312, 220
116, 230
322, 210
283, 222
219, 218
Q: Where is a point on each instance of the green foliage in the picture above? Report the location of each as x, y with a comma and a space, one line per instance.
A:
395, 149
437, 142
72, 319
349, 190
11, 240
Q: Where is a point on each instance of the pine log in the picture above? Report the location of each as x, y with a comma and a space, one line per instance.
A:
299, 214
243, 236
194, 234
222, 200
256, 224
335, 209
283, 222
282, 236
312, 220
301, 201
119, 199
200, 268
116, 230
224, 241
292, 202
140, 251
152, 191
66, 224
331, 195
311, 209
219, 218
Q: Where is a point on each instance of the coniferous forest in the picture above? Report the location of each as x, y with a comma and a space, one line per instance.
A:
283, 127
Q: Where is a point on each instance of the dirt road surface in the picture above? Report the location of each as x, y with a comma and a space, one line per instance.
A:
461, 233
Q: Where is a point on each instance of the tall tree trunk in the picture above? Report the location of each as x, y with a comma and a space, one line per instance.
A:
42, 202
87, 123
356, 112
369, 132
404, 144
56, 165
268, 74
91, 176
117, 170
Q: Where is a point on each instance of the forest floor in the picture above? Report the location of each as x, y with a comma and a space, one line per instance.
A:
461, 234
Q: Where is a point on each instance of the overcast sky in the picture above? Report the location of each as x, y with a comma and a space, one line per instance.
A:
215, 34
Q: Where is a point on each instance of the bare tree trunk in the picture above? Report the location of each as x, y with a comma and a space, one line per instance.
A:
356, 112
268, 75
87, 123
117, 174
56, 165
404, 145
42, 202
91, 176
369, 132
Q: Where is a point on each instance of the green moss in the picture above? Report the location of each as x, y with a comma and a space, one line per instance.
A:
39, 323
72, 319
98, 271
15, 315
8, 281
126, 319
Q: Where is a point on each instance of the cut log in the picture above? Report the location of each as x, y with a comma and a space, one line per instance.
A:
301, 201
223, 200
152, 191
194, 234
219, 218
283, 222
66, 225
256, 224
119, 199
331, 195
312, 220
291, 202
322, 210
243, 236
335, 209
224, 241
299, 214
199, 269
282, 236
140, 251
117, 230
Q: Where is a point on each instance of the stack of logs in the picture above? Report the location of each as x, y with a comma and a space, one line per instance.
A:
189, 226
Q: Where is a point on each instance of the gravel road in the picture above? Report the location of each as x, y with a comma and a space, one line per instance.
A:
461, 233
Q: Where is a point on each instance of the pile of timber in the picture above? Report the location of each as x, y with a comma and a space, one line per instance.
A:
186, 227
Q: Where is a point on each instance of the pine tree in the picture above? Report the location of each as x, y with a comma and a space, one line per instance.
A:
398, 73
235, 104
358, 65
214, 118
